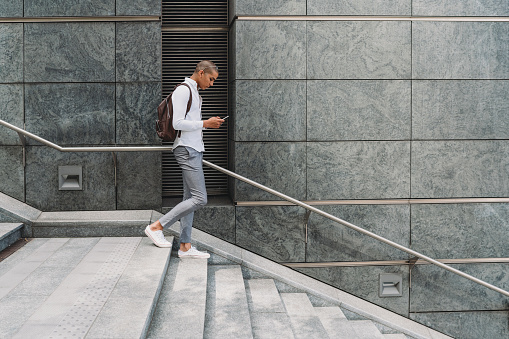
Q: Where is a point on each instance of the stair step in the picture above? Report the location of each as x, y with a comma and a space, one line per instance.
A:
20, 254
268, 315
72, 287
335, 323
129, 309
22, 270
227, 308
395, 336
366, 329
181, 306
303, 318
9, 234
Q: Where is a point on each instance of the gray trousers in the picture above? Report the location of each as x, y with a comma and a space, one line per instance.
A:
195, 193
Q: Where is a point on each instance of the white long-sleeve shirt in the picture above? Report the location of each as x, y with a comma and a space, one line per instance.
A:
192, 125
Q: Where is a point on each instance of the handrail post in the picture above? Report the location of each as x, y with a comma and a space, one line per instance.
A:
24, 144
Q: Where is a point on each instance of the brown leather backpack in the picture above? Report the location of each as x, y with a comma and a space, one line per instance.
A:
164, 123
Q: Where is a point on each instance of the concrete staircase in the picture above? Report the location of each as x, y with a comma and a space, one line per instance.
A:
128, 288
80, 282
222, 299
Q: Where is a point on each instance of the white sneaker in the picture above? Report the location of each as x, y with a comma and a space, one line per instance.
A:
157, 237
193, 253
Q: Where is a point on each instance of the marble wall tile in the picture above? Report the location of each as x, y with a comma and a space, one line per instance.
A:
71, 114
358, 110
275, 232
12, 174
450, 109
469, 168
69, 8
139, 180
460, 8
358, 50
363, 282
42, 180
70, 52
138, 7
331, 241
216, 220
136, 112
461, 231
280, 166
269, 7
11, 52
138, 51
11, 110
467, 325
435, 289
270, 50
358, 170
11, 9
271, 110
460, 50
359, 7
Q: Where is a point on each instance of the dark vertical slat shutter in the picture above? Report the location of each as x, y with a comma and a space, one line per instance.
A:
195, 31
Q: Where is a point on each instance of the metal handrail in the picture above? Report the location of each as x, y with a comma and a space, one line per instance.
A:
267, 189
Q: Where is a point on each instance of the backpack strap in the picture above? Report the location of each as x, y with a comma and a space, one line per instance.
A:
189, 102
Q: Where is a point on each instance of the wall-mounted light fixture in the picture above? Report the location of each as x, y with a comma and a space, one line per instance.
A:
391, 285
70, 178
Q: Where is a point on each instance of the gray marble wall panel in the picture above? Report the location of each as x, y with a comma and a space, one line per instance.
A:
449, 109
11, 52
269, 7
70, 52
467, 325
274, 232
359, 7
435, 289
42, 180
139, 180
358, 50
216, 220
364, 282
12, 181
69, 8
11, 9
11, 110
138, 51
358, 170
446, 169
461, 231
138, 7
270, 50
136, 111
460, 8
270, 110
460, 50
331, 241
358, 110
280, 166
71, 114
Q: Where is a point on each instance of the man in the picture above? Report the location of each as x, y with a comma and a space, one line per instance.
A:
188, 151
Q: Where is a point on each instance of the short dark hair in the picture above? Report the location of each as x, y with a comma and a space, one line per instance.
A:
206, 66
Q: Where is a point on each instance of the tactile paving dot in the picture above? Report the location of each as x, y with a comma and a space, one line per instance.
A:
80, 317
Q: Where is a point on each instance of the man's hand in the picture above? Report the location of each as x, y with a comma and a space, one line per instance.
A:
214, 122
